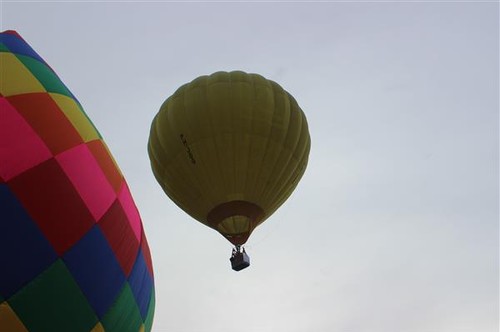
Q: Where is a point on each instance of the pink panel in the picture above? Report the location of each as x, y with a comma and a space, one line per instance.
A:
20, 146
88, 179
130, 209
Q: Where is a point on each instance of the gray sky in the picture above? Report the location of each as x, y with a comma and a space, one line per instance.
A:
394, 227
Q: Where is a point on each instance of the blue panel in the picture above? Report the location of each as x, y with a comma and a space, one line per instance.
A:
141, 284
96, 270
18, 46
24, 250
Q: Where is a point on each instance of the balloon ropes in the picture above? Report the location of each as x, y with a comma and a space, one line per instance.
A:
229, 149
73, 253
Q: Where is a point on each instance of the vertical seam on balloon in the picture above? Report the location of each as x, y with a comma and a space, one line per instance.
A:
188, 131
204, 185
214, 140
247, 81
280, 193
245, 137
256, 191
234, 223
297, 174
246, 186
156, 136
279, 185
164, 169
232, 183
283, 149
266, 152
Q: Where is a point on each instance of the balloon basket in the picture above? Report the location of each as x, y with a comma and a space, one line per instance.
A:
239, 259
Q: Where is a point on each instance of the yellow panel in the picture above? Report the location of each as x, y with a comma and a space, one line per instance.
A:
15, 78
76, 116
234, 225
9, 320
142, 329
98, 328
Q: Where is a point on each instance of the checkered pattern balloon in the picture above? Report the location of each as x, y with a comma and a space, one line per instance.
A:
73, 254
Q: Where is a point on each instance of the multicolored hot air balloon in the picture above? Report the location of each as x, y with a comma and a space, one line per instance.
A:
229, 149
73, 254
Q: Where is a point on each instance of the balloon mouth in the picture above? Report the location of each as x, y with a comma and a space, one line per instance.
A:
238, 239
235, 220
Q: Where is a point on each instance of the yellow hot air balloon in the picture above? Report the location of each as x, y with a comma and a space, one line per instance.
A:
229, 149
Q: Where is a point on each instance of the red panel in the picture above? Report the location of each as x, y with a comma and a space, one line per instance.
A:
88, 179
115, 226
43, 114
131, 211
20, 146
13, 32
109, 168
147, 253
54, 204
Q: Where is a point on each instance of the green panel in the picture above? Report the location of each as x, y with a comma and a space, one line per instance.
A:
45, 75
53, 302
124, 314
3, 48
151, 311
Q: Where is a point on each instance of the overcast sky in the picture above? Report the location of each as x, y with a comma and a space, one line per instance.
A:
395, 225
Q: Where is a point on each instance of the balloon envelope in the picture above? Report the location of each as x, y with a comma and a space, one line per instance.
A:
73, 254
229, 149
